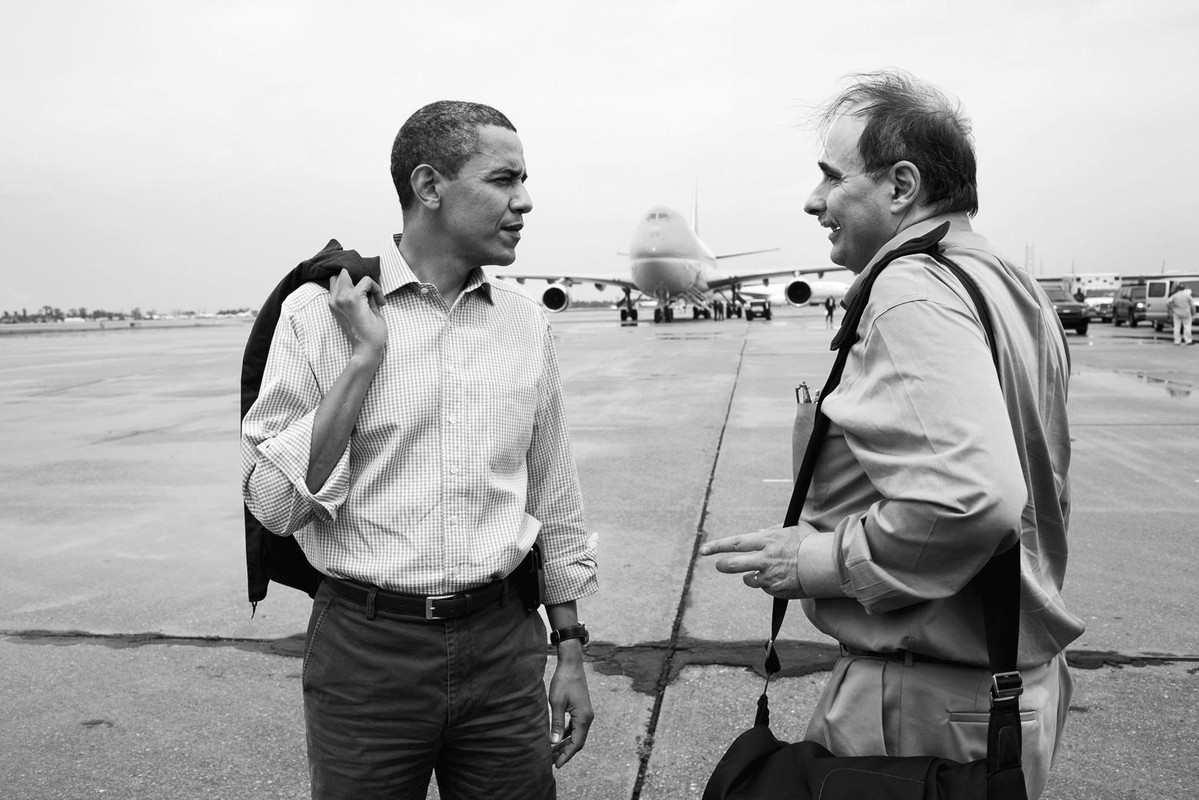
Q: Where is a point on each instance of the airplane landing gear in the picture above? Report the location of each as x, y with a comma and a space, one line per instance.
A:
628, 311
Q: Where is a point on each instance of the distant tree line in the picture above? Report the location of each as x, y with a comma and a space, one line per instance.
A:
591, 303
53, 314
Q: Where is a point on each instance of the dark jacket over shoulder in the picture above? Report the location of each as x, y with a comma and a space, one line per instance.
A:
270, 557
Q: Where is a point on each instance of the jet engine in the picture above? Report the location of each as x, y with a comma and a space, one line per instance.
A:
798, 293
556, 298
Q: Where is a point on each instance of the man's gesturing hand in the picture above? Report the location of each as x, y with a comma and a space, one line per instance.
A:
769, 559
356, 309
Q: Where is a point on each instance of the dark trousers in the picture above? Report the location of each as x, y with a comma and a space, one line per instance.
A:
390, 700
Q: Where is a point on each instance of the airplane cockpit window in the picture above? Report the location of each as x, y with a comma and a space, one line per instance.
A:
653, 215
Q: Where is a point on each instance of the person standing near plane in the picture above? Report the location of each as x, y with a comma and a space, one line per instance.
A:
830, 305
1182, 307
921, 479
411, 435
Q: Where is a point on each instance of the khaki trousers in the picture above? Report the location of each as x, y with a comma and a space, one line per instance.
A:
874, 707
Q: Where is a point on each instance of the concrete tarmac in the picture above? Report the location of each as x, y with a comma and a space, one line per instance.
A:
132, 668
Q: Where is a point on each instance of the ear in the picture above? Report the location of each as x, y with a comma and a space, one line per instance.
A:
905, 186
426, 185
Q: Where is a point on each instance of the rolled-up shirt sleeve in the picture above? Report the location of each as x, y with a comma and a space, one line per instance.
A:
276, 441
922, 414
554, 495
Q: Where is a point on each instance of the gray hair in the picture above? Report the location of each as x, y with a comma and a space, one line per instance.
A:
910, 120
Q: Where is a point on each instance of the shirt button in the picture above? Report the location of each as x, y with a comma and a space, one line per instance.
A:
424, 290
451, 419
453, 470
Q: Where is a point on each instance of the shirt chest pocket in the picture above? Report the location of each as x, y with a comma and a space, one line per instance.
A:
511, 411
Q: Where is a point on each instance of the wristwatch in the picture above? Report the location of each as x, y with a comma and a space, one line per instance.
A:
569, 632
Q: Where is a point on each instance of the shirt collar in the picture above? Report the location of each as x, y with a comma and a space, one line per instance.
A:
959, 224
395, 274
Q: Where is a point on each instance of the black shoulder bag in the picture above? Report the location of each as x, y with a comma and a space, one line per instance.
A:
758, 766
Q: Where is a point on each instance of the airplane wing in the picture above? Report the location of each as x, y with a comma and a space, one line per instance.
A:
729, 281
746, 253
569, 280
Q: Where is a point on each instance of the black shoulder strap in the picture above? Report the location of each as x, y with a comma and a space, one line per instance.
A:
999, 579
999, 583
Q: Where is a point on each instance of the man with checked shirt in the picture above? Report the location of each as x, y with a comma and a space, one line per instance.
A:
410, 433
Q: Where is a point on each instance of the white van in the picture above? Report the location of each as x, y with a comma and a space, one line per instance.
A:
1157, 293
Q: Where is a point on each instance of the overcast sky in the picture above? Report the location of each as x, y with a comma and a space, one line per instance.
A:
184, 156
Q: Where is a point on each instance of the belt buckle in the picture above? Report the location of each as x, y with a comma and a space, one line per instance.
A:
430, 600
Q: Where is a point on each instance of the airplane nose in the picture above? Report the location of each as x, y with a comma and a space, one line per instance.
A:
654, 273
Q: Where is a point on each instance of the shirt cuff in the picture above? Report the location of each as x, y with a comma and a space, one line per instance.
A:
818, 572
290, 451
573, 579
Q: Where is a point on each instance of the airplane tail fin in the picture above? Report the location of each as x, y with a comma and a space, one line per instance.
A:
695, 210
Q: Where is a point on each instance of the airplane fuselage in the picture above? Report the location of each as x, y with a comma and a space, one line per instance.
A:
667, 257
670, 263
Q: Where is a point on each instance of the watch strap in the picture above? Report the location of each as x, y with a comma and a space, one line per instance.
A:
569, 632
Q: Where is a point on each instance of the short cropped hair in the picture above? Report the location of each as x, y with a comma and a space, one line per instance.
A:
443, 135
910, 120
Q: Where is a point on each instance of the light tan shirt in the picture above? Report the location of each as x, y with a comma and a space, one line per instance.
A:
1180, 303
922, 479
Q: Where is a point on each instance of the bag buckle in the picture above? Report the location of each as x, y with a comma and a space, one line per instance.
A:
1006, 686
430, 611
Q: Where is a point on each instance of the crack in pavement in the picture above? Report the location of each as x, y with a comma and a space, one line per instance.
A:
645, 664
667, 669
286, 646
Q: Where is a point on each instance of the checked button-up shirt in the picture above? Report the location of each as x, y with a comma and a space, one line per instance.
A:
460, 457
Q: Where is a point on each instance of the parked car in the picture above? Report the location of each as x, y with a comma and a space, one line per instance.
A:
1128, 305
1071, 313
1099, 302
758, 307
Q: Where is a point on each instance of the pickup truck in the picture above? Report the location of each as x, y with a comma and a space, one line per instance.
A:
1157, 294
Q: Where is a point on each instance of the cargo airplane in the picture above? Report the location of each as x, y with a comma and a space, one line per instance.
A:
671, 265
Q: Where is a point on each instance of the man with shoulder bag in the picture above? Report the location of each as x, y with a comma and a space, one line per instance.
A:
936, 477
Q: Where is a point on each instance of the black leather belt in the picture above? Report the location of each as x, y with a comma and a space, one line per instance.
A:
906, 657
441, 606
